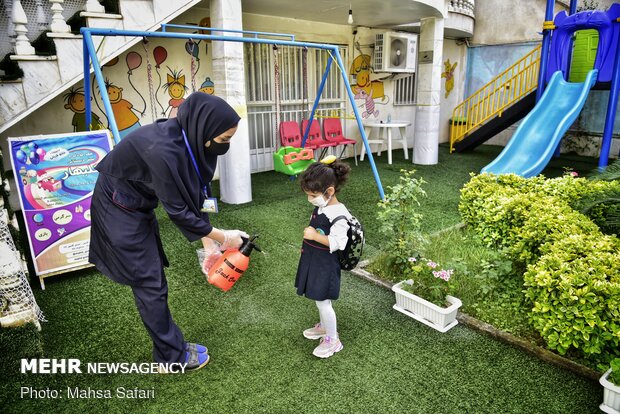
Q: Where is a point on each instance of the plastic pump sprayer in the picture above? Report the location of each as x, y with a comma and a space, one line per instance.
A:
229, 268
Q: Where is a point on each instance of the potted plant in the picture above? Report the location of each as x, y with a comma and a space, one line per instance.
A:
611, 384
424, 296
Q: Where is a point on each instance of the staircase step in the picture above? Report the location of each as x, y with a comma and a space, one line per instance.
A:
12, 100
47, 76
496, 125
111, 44
68, 51
138, 14
163, 8
41, 76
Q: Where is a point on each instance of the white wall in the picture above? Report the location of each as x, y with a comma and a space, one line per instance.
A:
456, 52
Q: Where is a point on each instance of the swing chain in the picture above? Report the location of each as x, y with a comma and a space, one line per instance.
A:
193, 66
304, 65
149, 73
276, 71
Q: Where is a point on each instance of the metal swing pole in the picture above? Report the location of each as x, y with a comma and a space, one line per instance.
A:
359, 123
88, 42
316, 103
88, 106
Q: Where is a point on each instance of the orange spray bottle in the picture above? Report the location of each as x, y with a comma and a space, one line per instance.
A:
231, 265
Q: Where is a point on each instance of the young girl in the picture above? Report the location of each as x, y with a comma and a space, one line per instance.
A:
318, 273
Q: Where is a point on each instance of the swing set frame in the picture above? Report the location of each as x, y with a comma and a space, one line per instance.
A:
90, 55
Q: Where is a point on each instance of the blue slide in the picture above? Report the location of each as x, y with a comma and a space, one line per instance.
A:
540, 132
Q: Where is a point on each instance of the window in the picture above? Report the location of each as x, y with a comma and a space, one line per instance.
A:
263, 116
404, 90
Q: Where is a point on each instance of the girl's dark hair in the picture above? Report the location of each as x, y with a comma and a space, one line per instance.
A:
318, 177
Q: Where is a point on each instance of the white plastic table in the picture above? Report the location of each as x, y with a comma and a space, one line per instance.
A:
386, 126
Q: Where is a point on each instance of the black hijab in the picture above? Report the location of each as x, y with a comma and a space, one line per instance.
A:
156, 154
204, 117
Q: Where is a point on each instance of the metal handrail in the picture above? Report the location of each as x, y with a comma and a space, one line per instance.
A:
493, 98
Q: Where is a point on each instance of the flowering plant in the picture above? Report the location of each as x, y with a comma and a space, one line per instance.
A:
430, 281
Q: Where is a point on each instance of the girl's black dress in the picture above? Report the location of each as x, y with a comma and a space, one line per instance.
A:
318, 273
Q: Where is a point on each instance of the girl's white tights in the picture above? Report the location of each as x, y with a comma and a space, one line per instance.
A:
328, 317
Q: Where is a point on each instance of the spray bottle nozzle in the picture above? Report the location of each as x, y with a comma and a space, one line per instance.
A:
248, 245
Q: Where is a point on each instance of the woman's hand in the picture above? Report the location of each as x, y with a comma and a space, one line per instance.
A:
212, 253
233, 239
310, 233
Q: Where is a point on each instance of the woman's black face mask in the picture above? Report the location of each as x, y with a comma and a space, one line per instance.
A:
216, 148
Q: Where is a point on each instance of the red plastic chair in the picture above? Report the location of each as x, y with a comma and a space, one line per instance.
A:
315, 138
332, 130
290, 136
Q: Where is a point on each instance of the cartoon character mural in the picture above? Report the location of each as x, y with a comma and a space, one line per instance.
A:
176, 90
207, 86
126, 120
448, 73
364, 88
74, 99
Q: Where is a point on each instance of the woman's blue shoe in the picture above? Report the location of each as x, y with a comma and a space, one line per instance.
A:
195, 360
201, 349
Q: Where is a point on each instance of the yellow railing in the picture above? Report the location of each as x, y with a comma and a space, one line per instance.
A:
493, 98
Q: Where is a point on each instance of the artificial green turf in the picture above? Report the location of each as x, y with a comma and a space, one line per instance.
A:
260, 360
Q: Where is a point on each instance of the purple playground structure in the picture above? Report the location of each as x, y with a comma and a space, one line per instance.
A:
559, 102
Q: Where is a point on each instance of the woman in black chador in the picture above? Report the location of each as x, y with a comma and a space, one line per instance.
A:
171, 161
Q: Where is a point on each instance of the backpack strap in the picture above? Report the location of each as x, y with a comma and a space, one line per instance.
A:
339, 218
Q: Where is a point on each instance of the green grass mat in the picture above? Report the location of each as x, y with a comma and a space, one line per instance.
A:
260, 360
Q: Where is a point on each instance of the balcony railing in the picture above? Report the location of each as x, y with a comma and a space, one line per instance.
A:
465, 7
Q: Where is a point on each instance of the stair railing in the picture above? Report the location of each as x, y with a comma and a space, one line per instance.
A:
493, 98
24, 21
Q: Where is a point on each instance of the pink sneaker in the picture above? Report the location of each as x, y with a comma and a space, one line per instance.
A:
328, 347
317, 332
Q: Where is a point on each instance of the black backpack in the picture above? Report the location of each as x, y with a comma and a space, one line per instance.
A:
350, 256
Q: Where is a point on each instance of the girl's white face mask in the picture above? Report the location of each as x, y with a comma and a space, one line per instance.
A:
320, 201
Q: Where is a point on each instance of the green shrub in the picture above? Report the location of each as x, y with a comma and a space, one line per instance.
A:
614, 377
575, 291
400, 221
573, 271
545, 222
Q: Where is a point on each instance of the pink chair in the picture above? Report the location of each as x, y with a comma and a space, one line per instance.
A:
315, 139
332, 129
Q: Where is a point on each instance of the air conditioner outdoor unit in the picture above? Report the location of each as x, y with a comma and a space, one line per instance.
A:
395, 52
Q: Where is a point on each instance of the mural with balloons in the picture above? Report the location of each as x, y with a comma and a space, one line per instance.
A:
148, 82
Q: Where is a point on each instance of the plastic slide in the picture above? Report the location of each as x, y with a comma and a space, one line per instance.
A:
540, 132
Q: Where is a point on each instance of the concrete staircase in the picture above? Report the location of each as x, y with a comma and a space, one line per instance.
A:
45, 77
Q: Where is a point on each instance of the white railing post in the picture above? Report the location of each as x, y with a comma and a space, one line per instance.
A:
22, 45
93, 6
41, 19
58, 22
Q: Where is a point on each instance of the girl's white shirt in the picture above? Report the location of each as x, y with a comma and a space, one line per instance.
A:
338, 231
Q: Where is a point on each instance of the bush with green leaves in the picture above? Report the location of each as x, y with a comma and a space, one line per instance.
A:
545, 222
400, 221
575, 291
614, 377
573, 271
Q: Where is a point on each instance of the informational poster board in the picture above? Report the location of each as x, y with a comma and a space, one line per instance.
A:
55, 177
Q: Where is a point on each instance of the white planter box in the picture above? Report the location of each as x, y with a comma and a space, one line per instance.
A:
611, 395
441, 319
